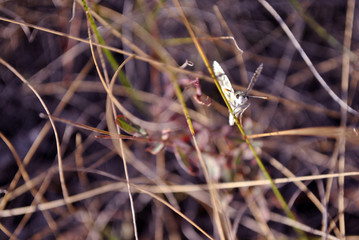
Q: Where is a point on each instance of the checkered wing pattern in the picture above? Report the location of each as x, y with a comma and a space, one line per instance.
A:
224, 82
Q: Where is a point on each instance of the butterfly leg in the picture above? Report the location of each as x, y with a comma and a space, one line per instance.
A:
241, 113
240, 118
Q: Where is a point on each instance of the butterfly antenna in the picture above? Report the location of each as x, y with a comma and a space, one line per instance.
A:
260, 97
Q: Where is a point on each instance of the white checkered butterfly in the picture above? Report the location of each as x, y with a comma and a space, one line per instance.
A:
238, 100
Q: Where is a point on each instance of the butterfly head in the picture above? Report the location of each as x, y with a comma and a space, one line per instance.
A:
240, 99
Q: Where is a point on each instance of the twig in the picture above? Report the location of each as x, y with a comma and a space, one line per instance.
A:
306, 58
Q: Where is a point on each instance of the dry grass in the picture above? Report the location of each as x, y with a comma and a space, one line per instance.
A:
175, 169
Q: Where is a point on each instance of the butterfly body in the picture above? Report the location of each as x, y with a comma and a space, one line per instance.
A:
239, 105
237, 100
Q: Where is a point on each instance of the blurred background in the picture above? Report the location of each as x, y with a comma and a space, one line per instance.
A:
51, 51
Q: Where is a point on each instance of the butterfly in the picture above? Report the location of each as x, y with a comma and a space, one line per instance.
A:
237, 100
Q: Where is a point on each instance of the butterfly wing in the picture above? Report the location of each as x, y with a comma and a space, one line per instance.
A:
224, 82
253, 79
226, 88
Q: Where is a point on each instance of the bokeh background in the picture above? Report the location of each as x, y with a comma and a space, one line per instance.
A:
61, 69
